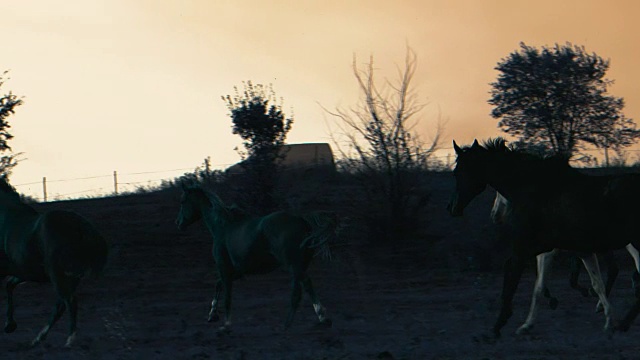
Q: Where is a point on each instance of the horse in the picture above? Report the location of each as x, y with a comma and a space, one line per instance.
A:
553, 206
500, 211
245, 244
56, 246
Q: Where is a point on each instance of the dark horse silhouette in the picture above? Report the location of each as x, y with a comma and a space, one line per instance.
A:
553, 206
56, 246
246, 244
500, 213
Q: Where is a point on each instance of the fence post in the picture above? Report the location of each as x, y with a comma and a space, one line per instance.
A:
44, 187
115, 182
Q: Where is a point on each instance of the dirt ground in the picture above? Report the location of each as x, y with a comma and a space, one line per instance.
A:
385, 302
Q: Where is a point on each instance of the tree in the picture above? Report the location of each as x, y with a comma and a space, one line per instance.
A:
8, 103
261, 123
387, 152
557, 97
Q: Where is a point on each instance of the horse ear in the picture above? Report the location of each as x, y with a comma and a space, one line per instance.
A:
475, 144
456, 147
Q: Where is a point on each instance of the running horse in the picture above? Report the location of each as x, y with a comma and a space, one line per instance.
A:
500, 213
552, 206
60, 247
245, 244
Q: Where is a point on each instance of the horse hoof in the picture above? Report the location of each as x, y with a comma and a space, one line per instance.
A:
553, 303
70, 340
524, 329
326, 322
224, 330
485, 338
10, 327
213, 317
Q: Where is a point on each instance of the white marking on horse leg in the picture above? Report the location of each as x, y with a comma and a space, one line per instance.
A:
70, 340
543, 261
320, 311
41, 335
214, 309
635, 255
593, 268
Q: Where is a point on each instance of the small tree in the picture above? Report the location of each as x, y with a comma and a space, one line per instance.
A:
261, 123
8, 103
388, 154
557, 97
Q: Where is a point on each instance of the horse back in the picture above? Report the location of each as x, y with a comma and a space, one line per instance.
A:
260, 245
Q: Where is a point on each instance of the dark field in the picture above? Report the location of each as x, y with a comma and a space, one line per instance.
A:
408, 301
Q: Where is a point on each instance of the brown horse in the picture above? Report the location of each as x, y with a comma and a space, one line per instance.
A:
553, 206
56, 246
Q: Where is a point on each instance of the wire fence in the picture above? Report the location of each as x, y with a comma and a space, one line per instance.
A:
100, 185
119, 183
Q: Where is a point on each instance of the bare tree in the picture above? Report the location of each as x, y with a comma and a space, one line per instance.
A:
384, 150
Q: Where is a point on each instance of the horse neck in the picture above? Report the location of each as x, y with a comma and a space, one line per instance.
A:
516, 179
214, 217
14, 214
11, 205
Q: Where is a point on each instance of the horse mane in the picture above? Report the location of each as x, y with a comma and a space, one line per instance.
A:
497, 145
8, 189
230, 211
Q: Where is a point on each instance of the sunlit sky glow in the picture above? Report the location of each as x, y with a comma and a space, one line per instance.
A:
135, 85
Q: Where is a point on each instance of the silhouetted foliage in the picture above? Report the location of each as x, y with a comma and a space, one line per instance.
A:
8, 103
557, 97
261, 123
387, 154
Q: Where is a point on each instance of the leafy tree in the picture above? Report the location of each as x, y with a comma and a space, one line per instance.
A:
259, 120
557, 97
388, 154
8, 103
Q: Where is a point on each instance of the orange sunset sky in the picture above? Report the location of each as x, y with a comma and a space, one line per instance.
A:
135, 85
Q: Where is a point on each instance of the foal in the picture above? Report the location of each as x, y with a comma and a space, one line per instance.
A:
246, 244
56, 246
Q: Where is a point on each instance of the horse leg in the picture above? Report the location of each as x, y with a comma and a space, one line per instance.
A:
513, 268
543, 261
227, 287
591, 264
553, 301
11, 325
213, 314
575, 273
296, 296
320, 311
635, 309
65, 287
636, 275
612, 274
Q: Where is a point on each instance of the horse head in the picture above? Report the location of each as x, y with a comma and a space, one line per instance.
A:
191, 201
470, 176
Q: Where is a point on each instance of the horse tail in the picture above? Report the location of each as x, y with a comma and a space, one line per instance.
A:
324, 229
73, 246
